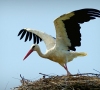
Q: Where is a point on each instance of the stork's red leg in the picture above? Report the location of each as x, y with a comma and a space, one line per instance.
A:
66, 68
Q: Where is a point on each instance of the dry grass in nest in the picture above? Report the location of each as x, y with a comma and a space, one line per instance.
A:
85, 81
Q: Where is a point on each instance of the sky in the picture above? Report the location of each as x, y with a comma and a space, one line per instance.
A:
39, 15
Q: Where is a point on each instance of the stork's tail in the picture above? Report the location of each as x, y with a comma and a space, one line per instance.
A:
76, 54
79, 54
82, 54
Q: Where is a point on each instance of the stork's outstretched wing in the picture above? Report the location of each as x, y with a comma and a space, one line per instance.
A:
37, 37
67, 26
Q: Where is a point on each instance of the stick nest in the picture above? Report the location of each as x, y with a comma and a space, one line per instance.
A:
85, 81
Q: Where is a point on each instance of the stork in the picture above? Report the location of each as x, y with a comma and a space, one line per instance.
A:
61, 49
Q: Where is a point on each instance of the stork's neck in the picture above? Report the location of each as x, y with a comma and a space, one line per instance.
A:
40, 53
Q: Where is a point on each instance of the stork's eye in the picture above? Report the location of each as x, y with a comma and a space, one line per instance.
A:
33, 47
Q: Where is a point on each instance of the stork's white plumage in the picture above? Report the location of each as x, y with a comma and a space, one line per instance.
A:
68, 37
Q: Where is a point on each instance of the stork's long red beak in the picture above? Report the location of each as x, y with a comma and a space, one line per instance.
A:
29, 52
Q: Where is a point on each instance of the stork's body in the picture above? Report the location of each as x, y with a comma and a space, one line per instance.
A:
68, 37
61, 56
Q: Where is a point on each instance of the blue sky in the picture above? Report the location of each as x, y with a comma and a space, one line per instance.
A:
39, 15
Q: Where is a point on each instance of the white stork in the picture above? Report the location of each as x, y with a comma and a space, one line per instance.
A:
68, 36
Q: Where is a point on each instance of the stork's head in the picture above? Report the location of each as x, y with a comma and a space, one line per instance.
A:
33, 48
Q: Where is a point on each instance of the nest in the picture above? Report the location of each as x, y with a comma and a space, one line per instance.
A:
85, 81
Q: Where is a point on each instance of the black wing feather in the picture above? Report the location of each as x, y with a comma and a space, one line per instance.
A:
20, 32
84, 15
30, 35
72, 25
23, 33
34, 37
27, 35
40, 39
37, 39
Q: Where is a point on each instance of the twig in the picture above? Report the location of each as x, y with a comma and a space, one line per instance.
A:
16, 78
79, 71
6, 86
21, 76
43, 74
97, 71
84, 74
